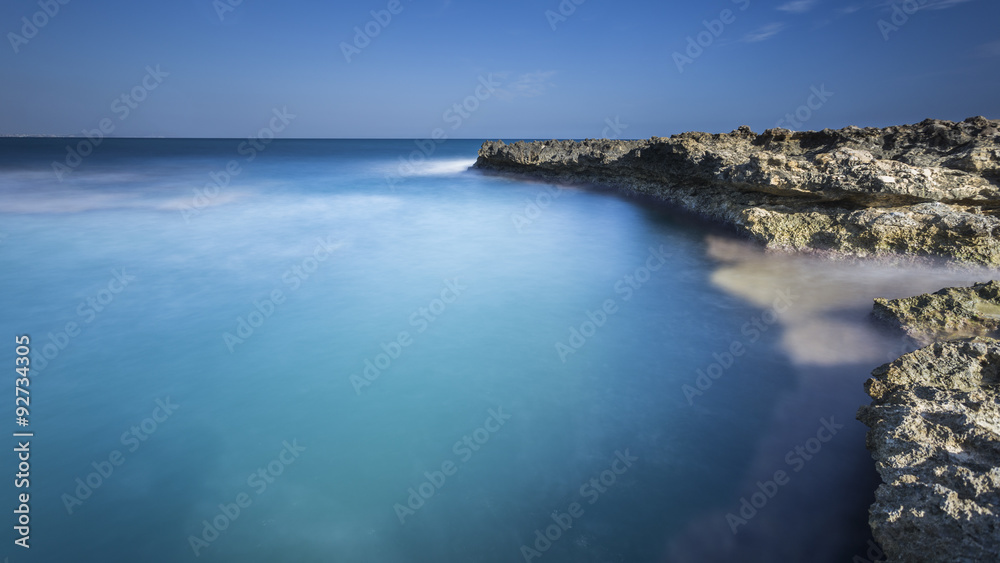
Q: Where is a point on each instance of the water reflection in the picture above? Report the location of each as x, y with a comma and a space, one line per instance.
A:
828, 325
820, 512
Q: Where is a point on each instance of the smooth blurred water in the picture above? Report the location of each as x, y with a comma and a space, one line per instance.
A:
202, 265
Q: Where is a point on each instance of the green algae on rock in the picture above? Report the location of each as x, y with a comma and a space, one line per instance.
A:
951, 313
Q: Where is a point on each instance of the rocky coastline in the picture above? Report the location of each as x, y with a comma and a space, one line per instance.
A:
935, 429
929, 191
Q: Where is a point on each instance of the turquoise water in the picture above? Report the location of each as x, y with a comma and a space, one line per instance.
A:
421, 369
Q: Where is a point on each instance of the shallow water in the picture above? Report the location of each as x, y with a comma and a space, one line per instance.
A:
416, 362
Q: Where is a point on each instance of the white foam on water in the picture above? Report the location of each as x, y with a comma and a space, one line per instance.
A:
823, 324
445, 167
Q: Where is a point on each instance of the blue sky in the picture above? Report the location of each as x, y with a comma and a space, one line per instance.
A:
555, 68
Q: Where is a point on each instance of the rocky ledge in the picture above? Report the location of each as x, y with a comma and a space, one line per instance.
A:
951, 313
930, 189
935, 431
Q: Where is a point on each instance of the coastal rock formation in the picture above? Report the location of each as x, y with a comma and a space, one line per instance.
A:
951, 313
935, 428
935, 436
930, 189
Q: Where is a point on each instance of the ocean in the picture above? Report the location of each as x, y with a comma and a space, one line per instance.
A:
364, 351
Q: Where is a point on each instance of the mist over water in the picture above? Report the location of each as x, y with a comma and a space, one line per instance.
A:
379, 362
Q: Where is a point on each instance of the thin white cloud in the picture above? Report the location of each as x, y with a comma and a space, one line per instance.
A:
991, 49
763, 33
797, 6
527, 85
942, 4
924, 5
838, 13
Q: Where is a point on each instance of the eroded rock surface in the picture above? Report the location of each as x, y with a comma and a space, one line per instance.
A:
935, 437
954, 312
930, 189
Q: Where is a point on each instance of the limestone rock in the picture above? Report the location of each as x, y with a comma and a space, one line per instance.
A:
935, 436
951, 313
930, 189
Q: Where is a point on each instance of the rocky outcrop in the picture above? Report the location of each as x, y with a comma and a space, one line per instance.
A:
935, 437
931, 189
935, 428
925, 190
955, 312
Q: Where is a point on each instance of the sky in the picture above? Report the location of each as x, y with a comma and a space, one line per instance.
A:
472, 69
